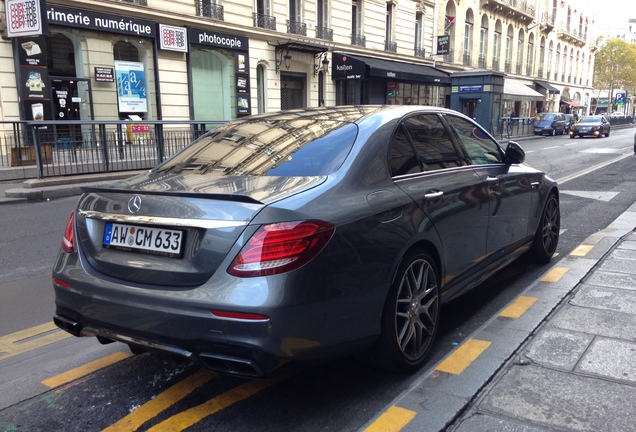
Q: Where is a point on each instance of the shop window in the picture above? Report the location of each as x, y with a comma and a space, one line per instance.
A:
260, 88
61, 60
125, 51
213, 84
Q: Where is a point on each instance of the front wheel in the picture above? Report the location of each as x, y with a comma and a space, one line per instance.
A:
411, 315
546, 238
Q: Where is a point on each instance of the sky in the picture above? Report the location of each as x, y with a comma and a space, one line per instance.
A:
611, 13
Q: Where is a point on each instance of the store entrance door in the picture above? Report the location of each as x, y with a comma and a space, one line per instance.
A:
469, 107
292, 91
71, 100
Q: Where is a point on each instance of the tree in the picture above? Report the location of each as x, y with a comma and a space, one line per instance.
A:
615, 66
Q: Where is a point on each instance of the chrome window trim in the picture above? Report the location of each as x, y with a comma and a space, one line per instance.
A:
169, 221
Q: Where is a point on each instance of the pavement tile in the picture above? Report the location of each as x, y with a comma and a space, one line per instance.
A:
615, 299
612, 279
551, 399
596, 322
558, 348
611, 358
613, 264
480, 422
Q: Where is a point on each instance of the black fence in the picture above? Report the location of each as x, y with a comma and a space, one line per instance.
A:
65, 148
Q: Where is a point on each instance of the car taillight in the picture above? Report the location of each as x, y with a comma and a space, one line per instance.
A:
281, 247
68, 242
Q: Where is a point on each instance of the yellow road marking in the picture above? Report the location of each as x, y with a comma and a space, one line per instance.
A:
555, 274
518, 307
393, 420
30, 339
187, 418
463, 356
163, 401
84, 370
582, 250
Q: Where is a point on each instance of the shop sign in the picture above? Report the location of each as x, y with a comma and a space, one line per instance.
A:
24, 18
33, 78
131, 86
90, 20
242, 85
443, 44
345, 67
219, 40
173, 38
474, 88
104, 74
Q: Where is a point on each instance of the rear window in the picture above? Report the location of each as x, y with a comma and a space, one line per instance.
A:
546, 116
291, 147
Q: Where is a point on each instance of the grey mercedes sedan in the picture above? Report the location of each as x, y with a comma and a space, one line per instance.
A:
303, 236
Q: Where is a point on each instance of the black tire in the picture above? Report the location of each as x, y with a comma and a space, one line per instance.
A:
553, 133
411, 316
546, 238
607, 134
572, 136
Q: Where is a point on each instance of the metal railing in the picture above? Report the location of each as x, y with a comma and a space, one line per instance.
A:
60, 148
264, 21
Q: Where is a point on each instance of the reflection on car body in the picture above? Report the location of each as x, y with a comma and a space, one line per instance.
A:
303, 235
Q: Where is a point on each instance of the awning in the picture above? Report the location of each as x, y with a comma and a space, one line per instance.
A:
513, 87
347, 66
549, 88
572, 104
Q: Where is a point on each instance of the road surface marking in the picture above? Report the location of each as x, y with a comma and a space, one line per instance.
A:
30, 339
463, 356
582, 250
595, 195
161, 402
555, 274
517, 308
392, 420
187, 418
84, 370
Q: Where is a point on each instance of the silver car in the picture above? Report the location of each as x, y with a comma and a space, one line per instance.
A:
303, 235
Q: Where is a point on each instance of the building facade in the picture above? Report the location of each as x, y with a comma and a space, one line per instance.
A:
223, 59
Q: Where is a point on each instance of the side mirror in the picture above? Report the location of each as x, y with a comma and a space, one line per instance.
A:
514, 153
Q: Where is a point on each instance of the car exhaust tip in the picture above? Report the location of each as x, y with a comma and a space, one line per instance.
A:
69, 325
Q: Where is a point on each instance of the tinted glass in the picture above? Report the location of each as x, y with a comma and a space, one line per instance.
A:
480, 147
293, 147
432, 142
402, 159
591, 119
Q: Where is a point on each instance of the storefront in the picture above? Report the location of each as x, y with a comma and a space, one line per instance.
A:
366, 80
99, 66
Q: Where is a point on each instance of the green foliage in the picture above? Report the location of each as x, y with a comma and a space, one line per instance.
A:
615, 65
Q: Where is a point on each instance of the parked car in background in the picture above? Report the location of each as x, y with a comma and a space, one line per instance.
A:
595, 126
549, 124
569, 120
618, 114
303, 235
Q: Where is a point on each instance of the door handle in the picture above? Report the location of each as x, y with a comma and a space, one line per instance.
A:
492, 180
432, 195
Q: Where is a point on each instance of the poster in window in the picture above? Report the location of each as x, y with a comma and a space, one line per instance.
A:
131, 86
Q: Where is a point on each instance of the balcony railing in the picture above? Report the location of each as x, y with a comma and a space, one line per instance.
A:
495, 64
507, 67
295, 27
420, 52
450, 57
528, 70
359, 40
466, 59
518, 68
136, 2
540, 73
481, 62
390, 46
324, 33
210, 10
264, 21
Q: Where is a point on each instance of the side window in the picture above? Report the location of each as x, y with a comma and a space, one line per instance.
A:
432, 142
402, 159
480, 147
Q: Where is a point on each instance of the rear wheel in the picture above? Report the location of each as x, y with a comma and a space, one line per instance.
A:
546, 238
411, 316
553, 133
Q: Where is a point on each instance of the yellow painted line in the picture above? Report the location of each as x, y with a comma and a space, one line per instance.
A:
555, 274
518, 307
393, 420
582, 250
30, 339
187, 418
84, 370
463, 356
163, 401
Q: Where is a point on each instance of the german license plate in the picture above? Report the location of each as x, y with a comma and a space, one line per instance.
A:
158, 241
